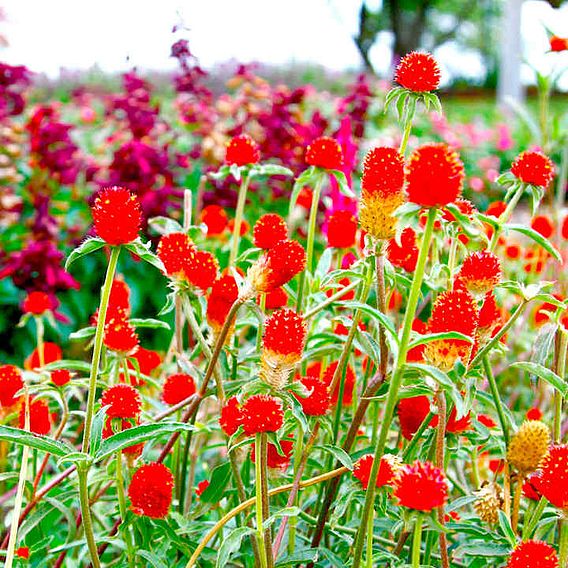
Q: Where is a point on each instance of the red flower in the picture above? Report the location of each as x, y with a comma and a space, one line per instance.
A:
513, 252
341, 229
558, 43
201, 487
277, 266
496, 209
316, 403
412, 412
60, 377
243, 229
119, 302
390, 465
533, 554
269, 230
273, 459
404, 255
23, 552
120, 335
175, 251
417, 353
108, 431
116, 215
534, 413
435, 175
177, 387
455, 425
534, 168
325, 152
215, 217
242, 150
10, 383
223, 294
553, 479
40, 419
147, 360
383, 171
344, 282
543, 225
418, 72
37, 303
421, 486
347, 387
284, 335
262, 413
51, 353
480, 272
201, 270
276, 299
529, 489
123, 401
231, 416
151, 490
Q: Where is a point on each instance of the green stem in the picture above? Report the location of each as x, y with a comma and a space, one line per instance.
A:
40, 342
259, 506
505, 216
396, 380
238, 219
407, 455
86, 520
563, 547
417, 539
560, 371
99, 336
496, 399
405, 136
333, 298
370, 531
529, 526
122, 509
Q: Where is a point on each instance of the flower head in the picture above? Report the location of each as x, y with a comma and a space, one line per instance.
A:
223, 294
120, 335
528, 446
201, 269
284, 335
275, 460
341, 229
376, 214
553, 479
177, 387
325, 152
37, 303
412, 412
215, 218
231, 416
490, 317
175, 251
11, 382
434, 175
123, 401
60, 377
489, 502
242, 150
533, 554
418, 72
534, 168
383, 171
348, 385
40, 419
558, 43
390, 466
318, 401
116, 215
269, 230
276, 299
543, 225
114, 425
262, 413
421, 486
405, 254
480, 272
151, 490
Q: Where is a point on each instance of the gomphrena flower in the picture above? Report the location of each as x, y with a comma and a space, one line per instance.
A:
269, 230
454, 310
421, 486
389, 468
276, 267
534, 168
381, 191
231, 416
116, 215
215, 218
533, 554
11, 382
123, 401
412, 411
40, 419
405, 254
558, 43
242, 150
275, 460
276, 299
37, 303
528, 446
480, 272
175, 251
60, 377
177, 387
151, 490
434, 175
318, 401
348, 385
223, 294
325, 152
488, 502
418, 72
262, 413
552, 481
543, 225
490, 317
201, 269
120, 335
341, 229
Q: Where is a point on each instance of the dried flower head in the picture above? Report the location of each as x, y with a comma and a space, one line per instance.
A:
376, 214
242, 150
534, 168
421, 486
151, 490
418, 72
528, 446
123, 401
325, 152
269, 230
489, 502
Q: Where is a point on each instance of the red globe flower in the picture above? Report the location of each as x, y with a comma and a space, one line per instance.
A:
262, 413
412, 412
147, 360
558, 43
348, 386
341, 229
40, 419
123, 401
37, 303
119, 302
276, 299
242, 150
405, 254
318, 401
231, 416
383, 171
552, 482
533, 554
10, 383
23, 552
534, 413
116, 215
543, 225
421, 486
269, 230
273, 459
480, 272
418, 72
151, 490
175, 251
496, 209
434, 175
177, 387
325, 152
201, 270
60, 377
215, 217
284, 335
534, 168
223, 294
390, 466
120, 335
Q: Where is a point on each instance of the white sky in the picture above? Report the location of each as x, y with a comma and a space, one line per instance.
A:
116, 35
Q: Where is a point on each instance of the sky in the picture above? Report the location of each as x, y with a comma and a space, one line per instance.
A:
116, 35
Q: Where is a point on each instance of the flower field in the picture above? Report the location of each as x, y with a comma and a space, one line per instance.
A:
269, 326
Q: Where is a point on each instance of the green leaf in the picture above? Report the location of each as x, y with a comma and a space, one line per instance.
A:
137, 435
69, 364
43, 443
165, 225
97, 430
85, 248
543, 373
220, 478
506, 529
221, 173
230, 544
270, 170
438, 336
536, 237
84, 333
339, 454
299, 557
307, 177
149, 323
143, 251
374, 313
286, 512
154, 560
169, 305
342, 183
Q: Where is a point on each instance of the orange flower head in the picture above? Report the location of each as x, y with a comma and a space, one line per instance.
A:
480, 272
383, 171
262, 413
418, 72
175, 251
123, 401
242, 150
151, 490
421, 486
269, 230
325, 152
11, 382
533, 554
534, 168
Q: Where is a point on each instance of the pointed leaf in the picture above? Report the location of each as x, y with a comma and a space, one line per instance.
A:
85, 248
